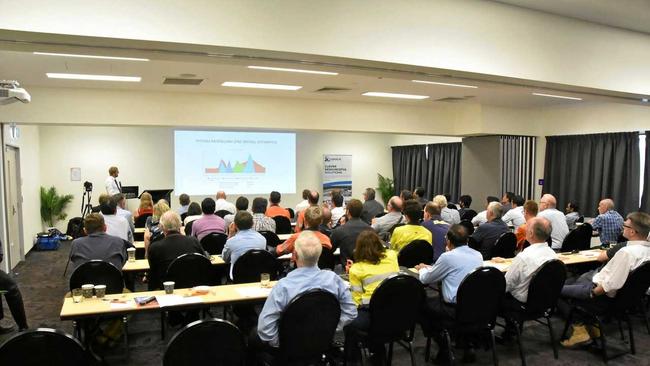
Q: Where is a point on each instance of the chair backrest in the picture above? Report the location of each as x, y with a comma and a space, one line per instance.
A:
471, 242
505, 246
98, 272
251, 264
189, 270
141, 220
572, 240
183, 216
468, 215
326, 259
629, 296
272, 239
468, 226
206, 342
415, 252
478, 299
394, 308
43, 346
545, 287
213, 243
188, 228
292, 213
222, 213
282, 225
580, 219
307, 326
585, 240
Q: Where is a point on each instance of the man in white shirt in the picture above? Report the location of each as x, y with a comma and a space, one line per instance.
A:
515, 216
338, 208
120, 203
221, 203
548, 211
448, 215
115, 225
603, 285
304, 204
113, 186
481, 217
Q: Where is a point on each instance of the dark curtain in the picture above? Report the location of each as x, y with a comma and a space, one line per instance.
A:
443, 170
587, 168
645, 201
409, 166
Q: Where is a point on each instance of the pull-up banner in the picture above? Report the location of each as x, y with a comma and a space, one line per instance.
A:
337, 174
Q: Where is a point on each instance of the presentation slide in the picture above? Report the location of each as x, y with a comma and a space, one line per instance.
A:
234, 162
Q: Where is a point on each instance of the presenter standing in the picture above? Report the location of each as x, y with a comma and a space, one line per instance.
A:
113, 186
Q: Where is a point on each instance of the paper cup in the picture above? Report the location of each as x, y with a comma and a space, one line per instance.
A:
131, 253
87, 290
100, 291
169, 287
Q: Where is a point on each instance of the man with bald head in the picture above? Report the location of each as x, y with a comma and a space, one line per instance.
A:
487, 234
548, 211
608, 223
312, 198
394, 216
221, 204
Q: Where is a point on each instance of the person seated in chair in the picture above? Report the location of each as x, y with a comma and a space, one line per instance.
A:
345, 236
193, 213
184, 201
608, 223
115, 225
515, 215
481, 217
274, 208
530, 211
450, 216
338, 208
598, 287
173, 245
241, 238
261, 222
241, 204
222, 205
120, 202
152, 231
14, 299
146, 205
371, 207
403, 235
487, 234
450, 269
572, 214
97, 244
438, 228
312, 198
209, 222
313, 218
383, 224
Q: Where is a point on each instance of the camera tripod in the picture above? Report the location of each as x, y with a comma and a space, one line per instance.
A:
86, 207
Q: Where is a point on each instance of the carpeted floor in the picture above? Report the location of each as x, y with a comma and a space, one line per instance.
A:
42, 284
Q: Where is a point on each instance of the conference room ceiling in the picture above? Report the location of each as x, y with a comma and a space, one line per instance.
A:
30, 70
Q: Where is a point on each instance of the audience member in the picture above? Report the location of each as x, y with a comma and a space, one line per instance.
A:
596, 288
345, 236
115, 225
222, 205
481, 217
193, 213
530, 211
465, 201
450, 269
325, 226
572, 214
261, 222
515, 216
305, 277
209, 222
448, 215
102, 199
438, 228
146, 205
313, 218
404, 235
241, 238
173, 245
420, 195
506, 201
111, 183
184, 201
382, 225
97, 244
405, 195
304, 203
152, 231
371, 207
120, 203
338, 209
487, 234
274, 208
241, 204
14, 299
548, 211
608, 223
313, 198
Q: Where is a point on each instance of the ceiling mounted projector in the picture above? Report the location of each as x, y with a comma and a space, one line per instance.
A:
11, 92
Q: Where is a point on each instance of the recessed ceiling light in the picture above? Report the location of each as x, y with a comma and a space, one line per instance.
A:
644, 100
394, 95
556, 96
241, 84
293, 70
444, 84
54, 75
92, 56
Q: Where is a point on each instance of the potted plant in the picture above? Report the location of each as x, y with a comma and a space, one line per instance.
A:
385, 187
53, 205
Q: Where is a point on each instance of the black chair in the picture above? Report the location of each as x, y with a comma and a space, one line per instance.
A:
99, 273
625, 302
471, 242
188, 228
326, 259
543, 292
585, 240
468, 215
581, 219
183, 216
43, 346
505, 246
468, 226
213, 243
206, 342
252, 264
414, 253
272, 239
282, 225
222, 213
394, 309
304, 337
141, 220
572, 240
189, 270
477, 304
292, 213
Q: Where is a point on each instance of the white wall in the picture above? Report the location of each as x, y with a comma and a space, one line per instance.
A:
145, 158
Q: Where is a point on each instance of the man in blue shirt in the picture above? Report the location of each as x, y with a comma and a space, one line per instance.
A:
433, 221
609, 223
241, 239
304, 278
451, 268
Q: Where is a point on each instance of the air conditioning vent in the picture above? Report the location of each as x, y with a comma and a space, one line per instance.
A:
182, 81
331, 89
455, 99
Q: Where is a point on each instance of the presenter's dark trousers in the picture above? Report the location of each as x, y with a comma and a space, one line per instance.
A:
14, 300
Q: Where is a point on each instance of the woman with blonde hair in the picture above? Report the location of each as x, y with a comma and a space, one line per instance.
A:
151, 230
146, 204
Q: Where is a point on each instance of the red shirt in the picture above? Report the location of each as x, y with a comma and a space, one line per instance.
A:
289, 245
273, 211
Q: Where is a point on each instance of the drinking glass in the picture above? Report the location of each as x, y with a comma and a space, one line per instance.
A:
77, 295
265, 280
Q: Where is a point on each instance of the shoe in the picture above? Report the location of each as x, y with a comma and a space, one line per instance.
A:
594, 331
579, 337
469, 356
6, 330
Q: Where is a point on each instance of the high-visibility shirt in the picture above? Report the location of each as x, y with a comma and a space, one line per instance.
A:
365, 277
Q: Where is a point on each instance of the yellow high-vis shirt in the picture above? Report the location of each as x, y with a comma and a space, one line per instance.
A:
403, 235
365, 277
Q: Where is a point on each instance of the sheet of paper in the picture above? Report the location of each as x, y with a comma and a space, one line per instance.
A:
254, 291
500, 266
123, 305
589, 253
171, 300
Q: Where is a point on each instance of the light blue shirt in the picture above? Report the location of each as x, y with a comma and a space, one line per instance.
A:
128, 216
451, 268
298, 281
239, 244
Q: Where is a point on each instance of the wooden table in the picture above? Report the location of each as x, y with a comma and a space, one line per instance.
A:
122, 304
142, 265
286, 257
138, 244
585, 256
284, 237
139, 230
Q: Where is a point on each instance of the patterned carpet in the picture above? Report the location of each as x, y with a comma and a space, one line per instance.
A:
42, 284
